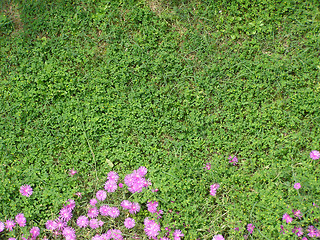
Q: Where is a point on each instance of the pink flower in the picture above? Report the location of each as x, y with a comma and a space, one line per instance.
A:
207, 166
296, 213
1, 226
26, 190
21, 220
286, 217
82, 221
104, 210
51, 225
72, 172
66, 214
250, 228
113, 176
115, 234
313, 232
218, 237
142, 171
315, 154
298, 231
61, 224
100, 223
155, 190
177, 234
93, 202
93, 212
114, 212
110, 186
94, 223
129, 223
233, 160
126, 204
214, 188
71, 204
297, 186
151, 228
69, 232
101, 195
78, 194
12, 239
97, 237
152, 206
10, 225
35, 232
120, 185
135, 207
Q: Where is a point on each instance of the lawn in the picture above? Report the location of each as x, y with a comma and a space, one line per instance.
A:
218, 100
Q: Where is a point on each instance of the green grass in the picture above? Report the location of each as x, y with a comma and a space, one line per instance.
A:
170, 85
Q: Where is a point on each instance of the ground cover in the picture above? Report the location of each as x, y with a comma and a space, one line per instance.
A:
177, 87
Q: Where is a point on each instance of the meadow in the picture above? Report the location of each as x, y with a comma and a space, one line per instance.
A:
155, 119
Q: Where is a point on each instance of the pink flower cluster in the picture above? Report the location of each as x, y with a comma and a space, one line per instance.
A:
214, 188
136, 181
59, 226
234, 160
111, 183
132, 207
21, 221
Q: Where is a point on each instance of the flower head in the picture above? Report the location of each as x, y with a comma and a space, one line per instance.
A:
72, 172
93, 212
286, 217
21, 220
70, 204
218, 237
177, 234
152, 206
82, 221
142, 171
114, 212
93, 202
126, 204
250, 228
10, 225
101, 195
94, 223
135, 207
214, 188
151, 228
115, 234
207, 166
315, 154
298, 231
35, 232
110, 186
297, 186
1, 226
129, 223
26, 190
51, 225
113, 176
296, 213
68, 232
234, 160
104, 210
66, 214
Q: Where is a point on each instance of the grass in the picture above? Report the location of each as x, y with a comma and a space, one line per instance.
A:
169, 85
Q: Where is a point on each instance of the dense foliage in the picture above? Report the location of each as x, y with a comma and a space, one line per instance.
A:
172, 86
